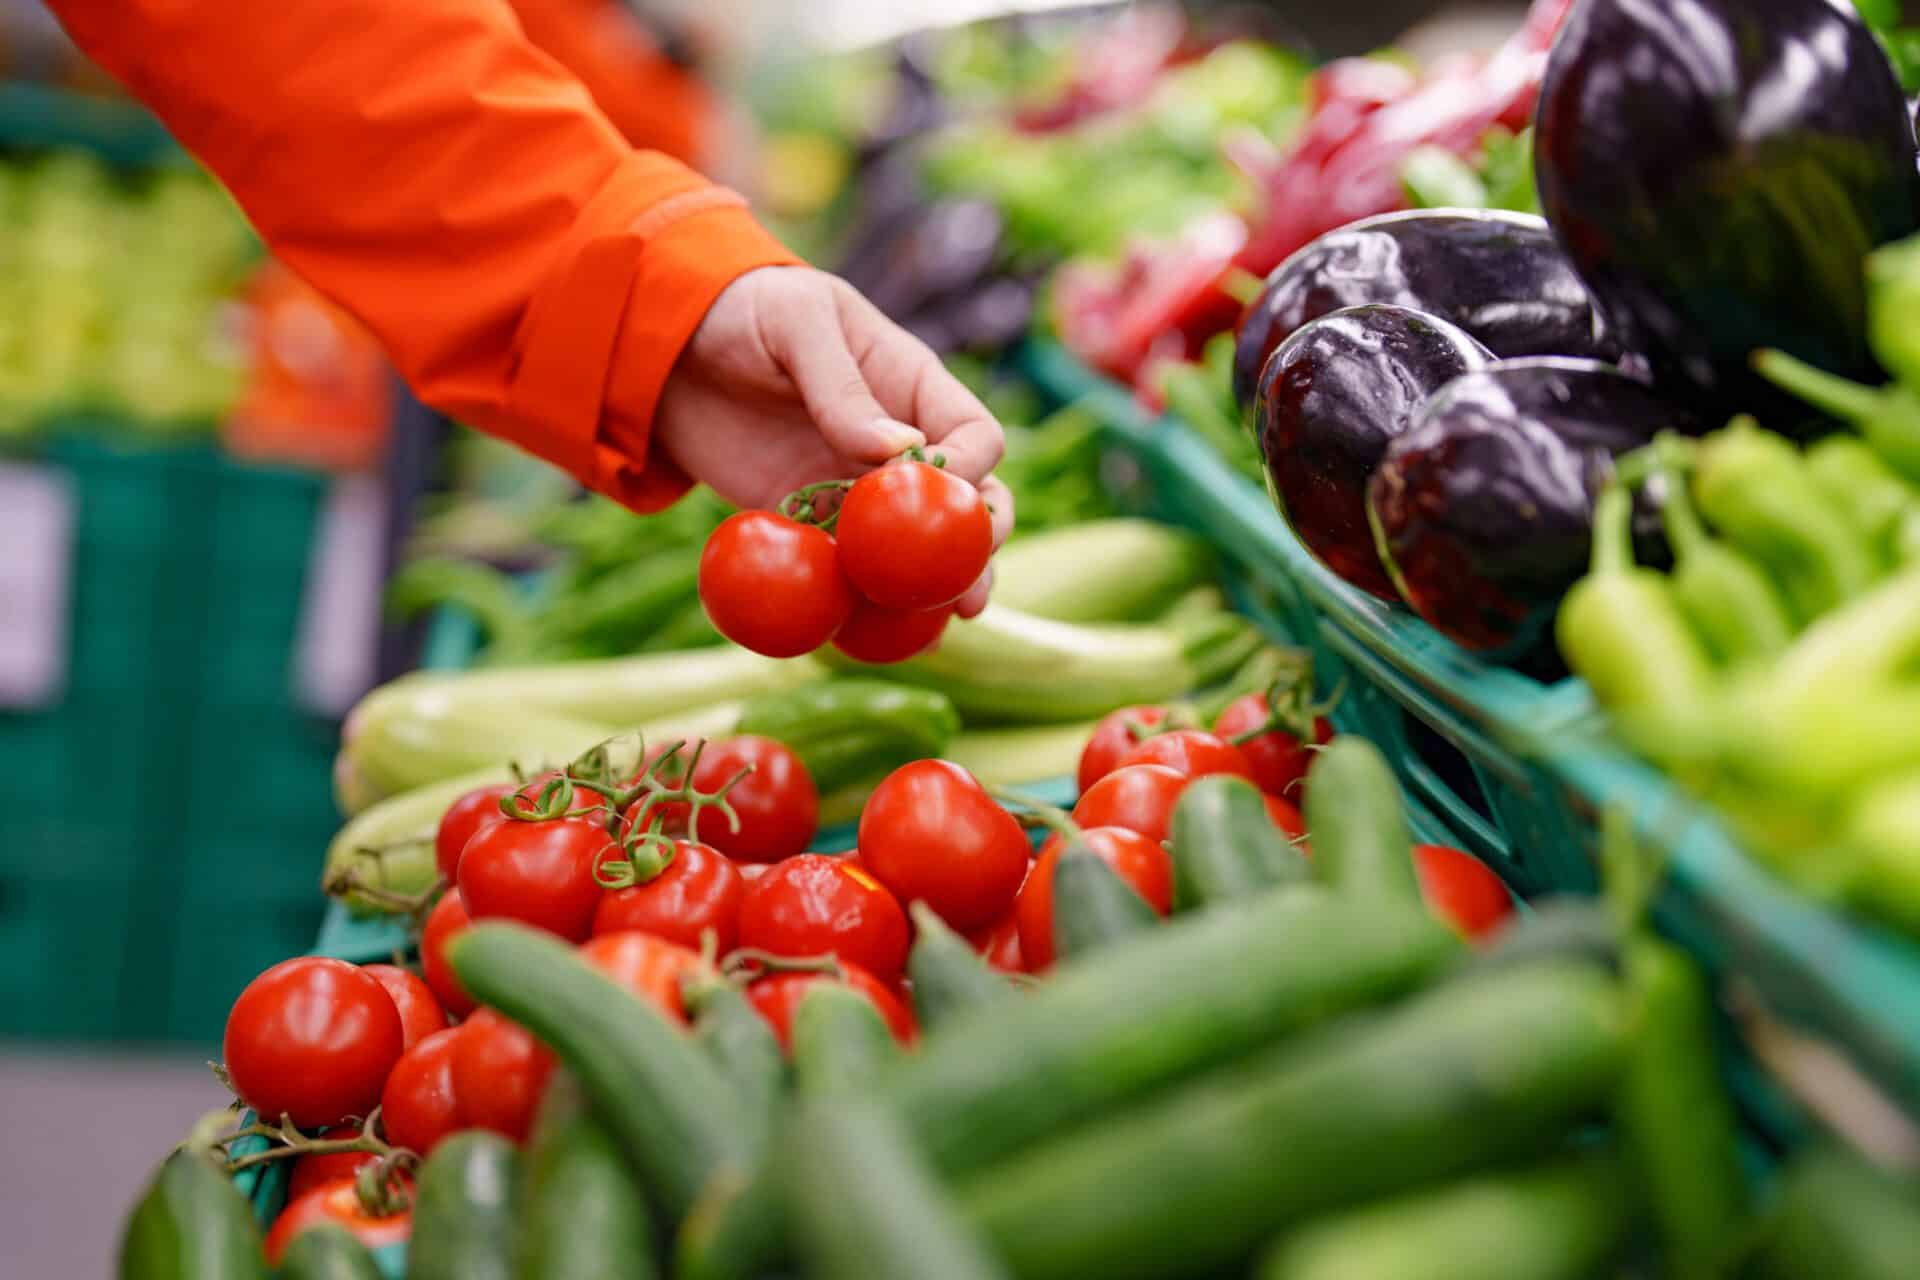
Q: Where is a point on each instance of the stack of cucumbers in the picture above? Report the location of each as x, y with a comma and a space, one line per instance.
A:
1301, 1076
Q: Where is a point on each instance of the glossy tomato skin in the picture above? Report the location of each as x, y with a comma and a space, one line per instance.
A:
931, 833
478, 808
1279, 759
877, 634
336, 1203
1113, 738
313, 1039
419, 1105
648, 966
1461, 890
697, 891
310, 1171
778, 804
539, 873
777, 995
499, 1074
999, 945
1139, 797
913, 536
1193, 752
773, 585
420, 1012
1286, 816
1141, 862
814, 905
448, 918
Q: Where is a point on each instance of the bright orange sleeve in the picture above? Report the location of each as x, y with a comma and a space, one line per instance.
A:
421, 163
652, 102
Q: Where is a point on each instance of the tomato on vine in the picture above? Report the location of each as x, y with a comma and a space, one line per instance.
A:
912, 535
999, 944
777, 995
698, 890
1192, 752
420, 1013
310, 1171
931, 833
1286, 816
419, 1105
877, 634
773, 585
337, 1203
1142, 863
815, 905
1117, 733
448, 918
1139, 797
499, 1074
540, 873
1278, 756
651, 967
1462, 890
312, 1039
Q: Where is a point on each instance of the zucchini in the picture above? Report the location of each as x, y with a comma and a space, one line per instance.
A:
1009, 757
1113, 570
841, 1044
1361, 843
948, 974
1838, 1216
1461, 1077
852, 729
327, 1252
389, 844
191, 1224
1560, 1221
1092, 906
741, 1046
1225, 847
582, 1212
863, 1203
464, 1223
680, 1120
1195, 992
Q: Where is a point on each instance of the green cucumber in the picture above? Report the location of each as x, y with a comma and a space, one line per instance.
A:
1560, 1221
736, 1230
864, 1203
1092, 906
741, 1046
1225, 847
327, 1252
464, 1224
582, 1214
841, 1044
645, 1077
948, 974
1361, 843
1557, 929
1838, 1216
1674, 1116
1196, 992
192, 1224
1459, 1078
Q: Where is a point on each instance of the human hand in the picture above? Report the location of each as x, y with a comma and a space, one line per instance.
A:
794, 378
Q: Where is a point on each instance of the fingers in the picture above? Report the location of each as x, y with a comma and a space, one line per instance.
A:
976, 598
999, 500
812, 341
911, 383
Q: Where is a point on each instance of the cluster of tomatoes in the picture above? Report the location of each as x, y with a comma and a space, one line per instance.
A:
906, 542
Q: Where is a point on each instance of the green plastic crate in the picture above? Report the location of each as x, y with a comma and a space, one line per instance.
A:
1451, 722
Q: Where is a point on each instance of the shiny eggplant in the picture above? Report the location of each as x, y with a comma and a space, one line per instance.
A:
1331, 399
1717, 169
1498, 275
1482, 508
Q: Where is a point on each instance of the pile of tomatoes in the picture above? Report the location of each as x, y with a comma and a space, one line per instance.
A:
906, 542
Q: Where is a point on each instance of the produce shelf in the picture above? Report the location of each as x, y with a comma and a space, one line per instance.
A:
1519, 771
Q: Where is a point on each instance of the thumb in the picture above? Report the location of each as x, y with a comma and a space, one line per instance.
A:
835, 391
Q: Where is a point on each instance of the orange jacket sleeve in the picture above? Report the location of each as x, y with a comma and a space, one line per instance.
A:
652, 102
424, 165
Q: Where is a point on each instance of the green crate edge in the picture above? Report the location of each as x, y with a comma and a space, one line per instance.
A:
1847, 980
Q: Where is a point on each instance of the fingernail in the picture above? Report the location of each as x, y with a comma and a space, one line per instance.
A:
899, 436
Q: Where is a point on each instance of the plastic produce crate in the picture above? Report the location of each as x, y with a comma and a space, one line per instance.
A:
1519, 771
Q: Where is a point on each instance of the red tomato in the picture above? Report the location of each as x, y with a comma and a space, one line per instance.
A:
539, 873
420, 1014
1286, 817
478, 808
778, 805
646, 965
1113, 738
877, 634
777, 995
999, 945
338, 1203
1141, 862
1139, 797
751, 871
773, 585
913, 536
1279, 759
1192, 752
419, 1106
499, 1073
314, 1039
931, 833
448, 917
310, 1171
697, 891
814, 905
1460, 889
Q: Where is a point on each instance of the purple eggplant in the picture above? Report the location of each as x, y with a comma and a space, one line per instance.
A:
1482, 507
1500, 276
1331, 399
1717, 169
